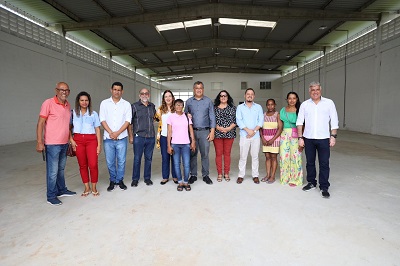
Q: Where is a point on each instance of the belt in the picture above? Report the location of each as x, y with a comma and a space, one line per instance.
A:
201, 128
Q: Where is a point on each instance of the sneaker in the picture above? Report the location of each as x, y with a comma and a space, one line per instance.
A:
111, 186
325, 194
207, 180
67, 193
54, 202
122, 185
308, 187
148, 182
134, 183
192, 179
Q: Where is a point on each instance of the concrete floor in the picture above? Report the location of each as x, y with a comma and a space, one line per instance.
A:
221, 224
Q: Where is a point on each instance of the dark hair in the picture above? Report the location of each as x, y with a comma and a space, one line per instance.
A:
270, 99
297, 102
78, 107
249, 89
217, 100
164, 107
117, 83
179, 101
198, 83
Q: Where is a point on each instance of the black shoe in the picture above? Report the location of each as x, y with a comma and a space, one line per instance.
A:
148, 182
207, 180
192, 179
134, 183
111, 186
122, 185
164, 181
325, 194
308, 187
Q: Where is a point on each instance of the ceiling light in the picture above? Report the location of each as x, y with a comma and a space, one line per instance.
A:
261, 23
171, 26
288, 56
198, 22
232, 21
246, 49
182, 51
323, 27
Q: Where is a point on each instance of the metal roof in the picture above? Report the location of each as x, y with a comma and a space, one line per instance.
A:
126, 29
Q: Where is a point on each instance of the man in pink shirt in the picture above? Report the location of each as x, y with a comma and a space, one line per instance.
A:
52, 138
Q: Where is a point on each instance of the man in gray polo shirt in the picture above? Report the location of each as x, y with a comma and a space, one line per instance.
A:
201, 108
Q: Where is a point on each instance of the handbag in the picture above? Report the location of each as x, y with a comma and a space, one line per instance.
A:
70, 151
295, 133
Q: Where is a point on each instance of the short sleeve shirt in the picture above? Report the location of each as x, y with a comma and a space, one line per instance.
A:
57, 115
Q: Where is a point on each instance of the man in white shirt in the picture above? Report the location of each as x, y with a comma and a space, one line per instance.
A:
115, 117
320, 132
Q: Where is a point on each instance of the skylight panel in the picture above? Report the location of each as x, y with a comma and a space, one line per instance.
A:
261, 23
198, 22
233, 21
170, 26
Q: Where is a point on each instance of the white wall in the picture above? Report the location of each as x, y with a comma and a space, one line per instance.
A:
29, 73
231, 82
369, 103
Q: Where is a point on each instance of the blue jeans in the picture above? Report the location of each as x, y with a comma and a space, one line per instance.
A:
142, 145
182, 151
167, 159
115, 152
203, 145
56, 158
312, 146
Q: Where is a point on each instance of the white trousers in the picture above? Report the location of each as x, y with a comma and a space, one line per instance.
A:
245, 145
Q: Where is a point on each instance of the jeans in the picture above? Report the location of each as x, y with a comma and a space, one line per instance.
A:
223, 148
312, 146
182, 151
203, 145
142, 145
167, 160
252, 144
115, 152
56, 158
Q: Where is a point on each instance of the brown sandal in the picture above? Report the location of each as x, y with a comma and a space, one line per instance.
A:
227, 178
219, 178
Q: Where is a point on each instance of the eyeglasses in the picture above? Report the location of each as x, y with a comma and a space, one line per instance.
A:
144, 93
223, 95
63, 91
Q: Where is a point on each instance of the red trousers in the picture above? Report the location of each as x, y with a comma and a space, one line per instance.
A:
223, 147
86, 153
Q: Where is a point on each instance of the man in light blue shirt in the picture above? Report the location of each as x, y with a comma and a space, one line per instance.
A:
249, 118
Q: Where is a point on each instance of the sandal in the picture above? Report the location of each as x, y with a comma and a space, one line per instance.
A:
180, 187
95, 193
219, 178
271, 180
164, 181
227, 178
175, 180
85, 194
187, 187
265, 179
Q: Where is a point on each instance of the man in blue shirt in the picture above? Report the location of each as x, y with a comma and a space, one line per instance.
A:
201, 108
249, 118
142, 136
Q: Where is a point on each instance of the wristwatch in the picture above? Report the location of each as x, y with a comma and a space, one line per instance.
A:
334, 135
300, 137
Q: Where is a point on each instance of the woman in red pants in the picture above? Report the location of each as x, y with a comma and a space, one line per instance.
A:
225, 132
86, 141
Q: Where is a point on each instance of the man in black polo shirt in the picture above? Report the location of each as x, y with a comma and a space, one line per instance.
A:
142, 136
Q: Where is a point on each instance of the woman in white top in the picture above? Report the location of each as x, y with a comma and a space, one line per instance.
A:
162, 114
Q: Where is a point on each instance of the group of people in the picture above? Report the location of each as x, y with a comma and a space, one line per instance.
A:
182, 133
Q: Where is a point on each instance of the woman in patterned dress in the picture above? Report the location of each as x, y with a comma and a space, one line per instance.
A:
290, 155
270, 137
225, 132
